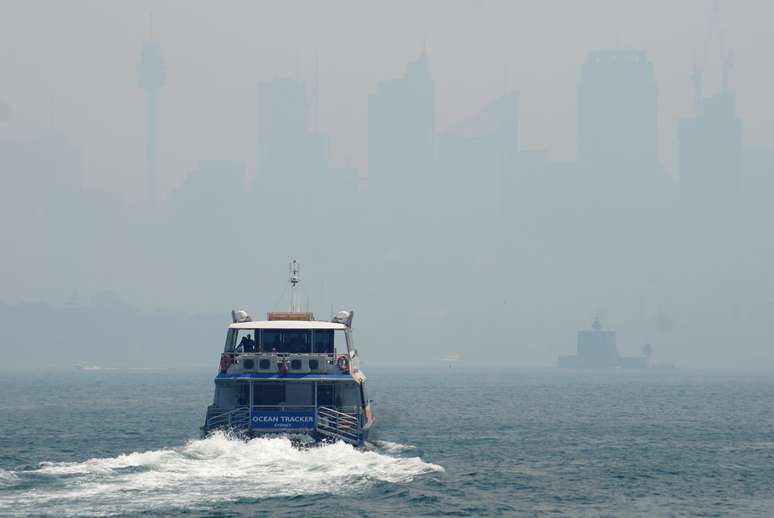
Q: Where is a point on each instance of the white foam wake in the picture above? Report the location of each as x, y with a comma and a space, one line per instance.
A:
203, 472
392, 447
7, 478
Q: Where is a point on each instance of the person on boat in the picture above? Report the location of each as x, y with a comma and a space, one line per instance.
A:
247, 344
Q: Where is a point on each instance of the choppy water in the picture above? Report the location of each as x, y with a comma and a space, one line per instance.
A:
453, 441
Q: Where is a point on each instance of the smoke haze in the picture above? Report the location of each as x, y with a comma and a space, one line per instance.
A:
472, 177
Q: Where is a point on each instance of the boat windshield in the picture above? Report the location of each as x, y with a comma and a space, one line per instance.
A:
298, 341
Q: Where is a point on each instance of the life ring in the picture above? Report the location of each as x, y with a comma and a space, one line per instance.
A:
342, 363
226, 361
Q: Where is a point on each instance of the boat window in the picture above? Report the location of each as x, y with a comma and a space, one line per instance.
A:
299, 341
243, 393
268, 393
245, 341
230, 341
348, 394
287, 340
325, 394
271, 340
323, 341
340, 342
299, 394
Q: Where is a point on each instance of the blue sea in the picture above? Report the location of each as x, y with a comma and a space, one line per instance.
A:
448, 441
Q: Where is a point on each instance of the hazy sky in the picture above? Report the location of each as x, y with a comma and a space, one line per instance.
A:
560, 242
71, 66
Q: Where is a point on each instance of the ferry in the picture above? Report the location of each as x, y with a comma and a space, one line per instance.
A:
291, 374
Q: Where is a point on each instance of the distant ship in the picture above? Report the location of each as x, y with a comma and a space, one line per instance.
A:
83, 366
596, 348
291, 374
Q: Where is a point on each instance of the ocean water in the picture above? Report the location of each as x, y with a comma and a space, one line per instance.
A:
448, 441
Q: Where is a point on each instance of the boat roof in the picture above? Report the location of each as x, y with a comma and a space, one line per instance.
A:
287, 324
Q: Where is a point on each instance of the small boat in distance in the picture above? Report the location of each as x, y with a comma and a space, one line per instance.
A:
291, 374
83, 366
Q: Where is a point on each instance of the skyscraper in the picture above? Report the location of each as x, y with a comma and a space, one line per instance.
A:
151, 75
401, 135
617, 119
292, 158
476, 156
710, 153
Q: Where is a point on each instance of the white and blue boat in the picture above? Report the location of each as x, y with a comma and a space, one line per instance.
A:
291, 374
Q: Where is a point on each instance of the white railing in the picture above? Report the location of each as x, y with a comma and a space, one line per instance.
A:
237, 420
339, 425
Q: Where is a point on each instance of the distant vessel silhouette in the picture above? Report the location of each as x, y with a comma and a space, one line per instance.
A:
596, 348
83, 366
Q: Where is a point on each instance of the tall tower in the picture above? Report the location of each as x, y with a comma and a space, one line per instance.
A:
151, 75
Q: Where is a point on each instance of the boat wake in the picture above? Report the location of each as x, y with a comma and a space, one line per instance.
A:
391, 447
7, 478
200, 474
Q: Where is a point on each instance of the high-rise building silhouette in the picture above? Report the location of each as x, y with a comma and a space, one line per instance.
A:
151, 76
292, 158
475, 157
710, 154
401, 135
617, 117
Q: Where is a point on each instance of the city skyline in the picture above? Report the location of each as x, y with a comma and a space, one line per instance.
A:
554, 135
302, 99
455, 213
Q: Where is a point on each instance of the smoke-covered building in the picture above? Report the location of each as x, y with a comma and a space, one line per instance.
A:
710, 154
401, 137
475, 157
151, 76
617, 116
292, 157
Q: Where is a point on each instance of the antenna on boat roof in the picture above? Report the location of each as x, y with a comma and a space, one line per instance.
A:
294, 279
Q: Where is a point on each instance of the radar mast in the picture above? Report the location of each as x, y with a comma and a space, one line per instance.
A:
294, 279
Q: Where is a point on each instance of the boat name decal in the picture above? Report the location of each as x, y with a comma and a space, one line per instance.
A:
282, 419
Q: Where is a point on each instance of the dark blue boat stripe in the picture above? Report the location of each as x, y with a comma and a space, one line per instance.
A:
285, 376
